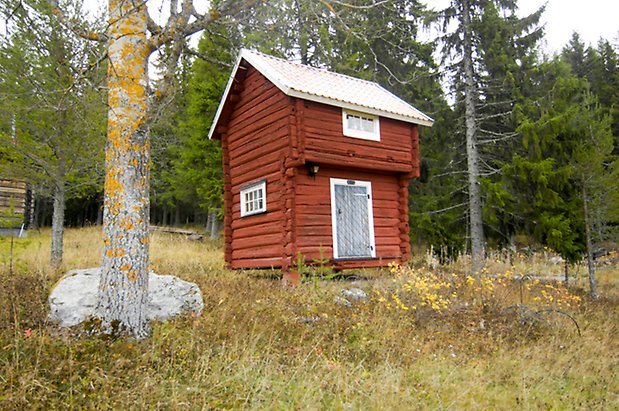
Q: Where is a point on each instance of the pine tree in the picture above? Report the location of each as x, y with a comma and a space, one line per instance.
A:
53, 117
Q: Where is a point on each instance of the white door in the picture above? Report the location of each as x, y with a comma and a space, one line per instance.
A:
352, 219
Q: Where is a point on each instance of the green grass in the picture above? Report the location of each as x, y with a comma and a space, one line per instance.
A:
249, 349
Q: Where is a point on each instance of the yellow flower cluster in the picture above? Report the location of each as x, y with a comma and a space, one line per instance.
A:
555, 295
416, 289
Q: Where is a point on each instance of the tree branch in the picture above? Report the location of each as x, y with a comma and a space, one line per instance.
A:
204, 57
444, 209
74, 26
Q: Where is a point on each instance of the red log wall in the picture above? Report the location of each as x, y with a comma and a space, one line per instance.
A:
255, 145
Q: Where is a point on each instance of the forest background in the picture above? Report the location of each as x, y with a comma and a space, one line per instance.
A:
547, 127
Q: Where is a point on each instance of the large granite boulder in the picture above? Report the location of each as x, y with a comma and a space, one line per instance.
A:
74, 298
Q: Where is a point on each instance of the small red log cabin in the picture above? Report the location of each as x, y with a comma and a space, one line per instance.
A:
316, 163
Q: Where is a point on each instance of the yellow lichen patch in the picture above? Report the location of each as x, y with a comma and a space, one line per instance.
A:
115, 252
144, 240
119, 143
125, 267
132, 276
113, 187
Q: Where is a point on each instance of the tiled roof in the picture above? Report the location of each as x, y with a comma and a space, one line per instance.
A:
310, 83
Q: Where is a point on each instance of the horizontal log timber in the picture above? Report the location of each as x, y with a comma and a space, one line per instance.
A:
267, 228
308, 220
385, 231
276, 130
387, 253
316, 136
12, 191
315, 240
328, 158
250, 242
377, 262
257, 252
250, 173
387, 241
267, 164
256, 86
4, 182
12, 201
257, 219
258, 155
358, 151
272, 105
263, 123
256, 263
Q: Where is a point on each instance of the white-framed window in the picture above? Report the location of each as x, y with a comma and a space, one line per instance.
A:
254, 198
360, 125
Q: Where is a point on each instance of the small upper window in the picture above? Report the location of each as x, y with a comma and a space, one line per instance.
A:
360, 125
254, 198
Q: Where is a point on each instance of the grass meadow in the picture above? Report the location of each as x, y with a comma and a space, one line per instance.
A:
425, 339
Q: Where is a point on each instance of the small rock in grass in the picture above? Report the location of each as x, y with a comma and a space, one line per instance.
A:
342, 301
349, 296
354, 294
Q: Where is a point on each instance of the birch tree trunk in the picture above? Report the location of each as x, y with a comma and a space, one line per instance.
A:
472, 154
123, 289
57, 224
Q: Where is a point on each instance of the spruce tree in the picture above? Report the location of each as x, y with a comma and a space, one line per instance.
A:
485, 50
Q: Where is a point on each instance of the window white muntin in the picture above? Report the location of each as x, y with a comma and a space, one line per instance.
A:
360, 125
358, 183
254, 198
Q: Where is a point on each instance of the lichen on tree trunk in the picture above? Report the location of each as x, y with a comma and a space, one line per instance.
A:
123, 289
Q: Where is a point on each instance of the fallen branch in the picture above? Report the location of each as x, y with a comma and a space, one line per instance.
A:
173, 230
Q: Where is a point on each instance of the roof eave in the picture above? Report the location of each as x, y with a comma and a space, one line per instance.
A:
423, 121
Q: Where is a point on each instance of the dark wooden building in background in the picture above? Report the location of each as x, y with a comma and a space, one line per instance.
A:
16, 206
315, 163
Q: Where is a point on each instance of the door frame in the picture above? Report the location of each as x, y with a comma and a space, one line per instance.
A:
356, 183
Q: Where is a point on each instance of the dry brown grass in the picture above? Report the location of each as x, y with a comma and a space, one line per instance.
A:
249, 348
